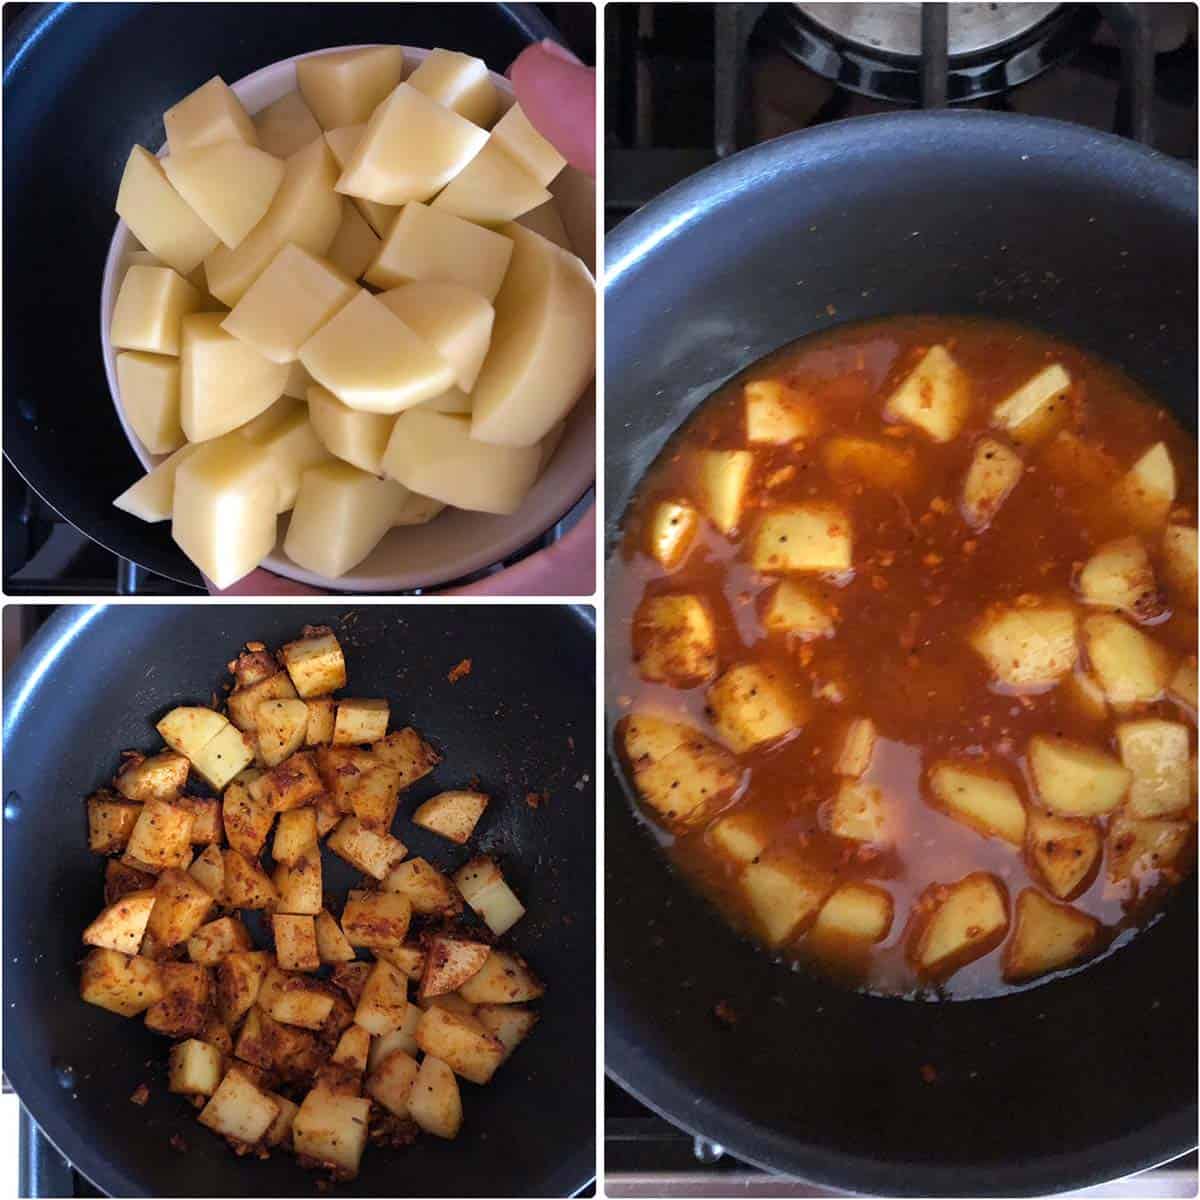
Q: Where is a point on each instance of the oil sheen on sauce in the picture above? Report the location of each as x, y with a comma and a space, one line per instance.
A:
900, 654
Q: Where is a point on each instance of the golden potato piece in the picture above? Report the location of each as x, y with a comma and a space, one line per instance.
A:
752, 704
1064, 850
121, 983
247, 884
282, 728
1141, 850
1147, 491
1128, 665
783, 894
503, 978
1027, 648
315, 663
857, 748
428, 891
1037, 409
224, 756
803, 537
161, 837
194, 1068
856, 911
776, 414
1046, 937
238, 977
674, 640
211, 113
935, 396
1179, 562
391, 1082
859, 813
671, 532
484, 888
110, 822
182, 1010
373, 853
460, 1042
295, 942
211, 943
740, 836
246, 699
970, 918
994, 471
360, 721
373, 919
797, 609
721, 479
189, 728
510, 1023
988, 803
160, 777
1156, 752
332, 1128
876, 462
452, 815
1076, 780
181, 907
451, 962
122, 925
239, 1110
434, 1102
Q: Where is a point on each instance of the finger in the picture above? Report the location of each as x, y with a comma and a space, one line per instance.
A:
558, 95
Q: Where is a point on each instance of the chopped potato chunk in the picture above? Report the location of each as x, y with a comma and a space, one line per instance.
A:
315, 663
510, 1023
182, 1010
1027, 648
391, 1082
857, 911
1038, 409
247, 818
752, 704
238, 977
376, 918
1075, 780
121, 983
672, 530
994, 471
721, 481
247, 698
161, 837
158, 778
1046, 937
1147, 491
1156, 752
122, 925
181, 906
986, 802
1064, 850
1119, 575
384, 1000
408, 754
224, 756
282, 729
110, 822
359, 722
802, 537
332, 1128
857, 747
194, 1068
452, 815
968, 919
247, 884
859, 813
460, 1042
450, 962
428, 891
434, 1102
238, 1110
675, 640
777, 414
784, 894
502, 978
374, 854
872, 461
1179, 561
935, 396
740, 836
1129, 666
295, 942
211, 943
1140, 850
484, 888
294, 783
795, 608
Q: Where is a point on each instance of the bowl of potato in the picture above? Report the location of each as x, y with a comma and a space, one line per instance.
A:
348, 322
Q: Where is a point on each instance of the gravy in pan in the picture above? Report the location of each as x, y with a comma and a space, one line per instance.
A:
902, 652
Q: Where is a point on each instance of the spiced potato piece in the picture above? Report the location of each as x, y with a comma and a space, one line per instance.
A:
460, 1042
247, 817
360, 721
752, 704
224, 757
374, 798
1147, 490
247, 884
1027, 648
859, 813
110, 822
721, 481
374, 854
1074, 779
194, 1068
332, 944
1046, 937
391, 1082
1156, 752
434, 1102
161, 837
374, 919
935, 396
776, 414
295, 942
160, 777
428, 891
1131, 667
340, 768
1119, 575
795, 609
292, 784
122, 925
384, 1000
671, 532
315, 662
1038, 409
450, 963
994, 471
987, 802
181, 906
1142, 850
1179, 563
239, 1110
238, 978
876, 462
784, 894
857, 748
511, 1024
282, 727
503, 978
299, 884
247, 698
1064, 850
855, 913
408, 754
188, 729
295, 835
968, 919
212, 943
452, 815
811, 537
122, 983
293, 999
482, 884
674, 640
182, 1009
740, 836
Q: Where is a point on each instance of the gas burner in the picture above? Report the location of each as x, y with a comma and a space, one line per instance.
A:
875, 49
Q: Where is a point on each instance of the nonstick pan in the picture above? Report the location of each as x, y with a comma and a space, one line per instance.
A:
82, 82
1091, 238
92, 682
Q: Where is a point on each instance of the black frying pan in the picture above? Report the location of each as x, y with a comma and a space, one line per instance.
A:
82, 83
1084, 235
93, 681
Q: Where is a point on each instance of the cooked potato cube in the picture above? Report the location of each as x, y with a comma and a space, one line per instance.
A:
161, 837
289, 1053
402, 1038
158, 778
294, 783
1027, 648
182, 1010
320, 721
225, 756
428, 891
721, 481
434, 1102
328, 816
1038, 409
752, 704
1119, 575
1156, 752
460, 1042
391, 1082
295, 999
674, 640
671, 532
374, 854
1076, 780
741, 836
784, 894
1129, 666
360, 721
877, 463
295, 942
331, 1129
409, 960
211, 943
209, 872
238, 1110
239, 977
857, 748
856, 911
449, 963
970, 918
282, 729
194, 1068
187, 730
181, 906
1046, 937
374, 798
315, 663
110, 822
994, 471
503, 978
1064, 850
1183, 686
122, 925
299, 883
206, 818
483, 886
452, 815
407, 753
1139, 850
935, 396
245, 700
794, 608
858, 812
1147, 491
802, 537
384, 1000
510, 1024
332, 946
373, 919
247, 819
340, 769
280, 1131
121, 879
295, 835
246, 883
353, 1049
777, 414
988, 803
121, 983
1179, 562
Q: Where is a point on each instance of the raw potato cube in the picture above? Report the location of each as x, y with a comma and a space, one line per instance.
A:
160, 777
460, 83
1119, 575
721, 481
288, 444
295, 942
428, 244
856, 911
776, 414
238, 1110
1156, 752
391, 1082
674, 640
360, 721
1027, 648
358, 438
410, 149
384, 999
212, 113
345, 87
682, 776
239, 977
245, 700
320, 721
485, 889
1074, 780
994, 471
1147, 491
121, 926
295, 835
428, 891
452, 815
306, 212
935, 396
879, 463
453, 319
187, 730
211, 943
803, 537
1046, 937
434, 454
149, 313
796, 609
223, 382
1140, 850
784, 894
182, 1010
1038, 409
152, 498
1179, 561
246, 883
374, 854
376, 919
1065, 851
858, 812
247, 819
434, 1102
161, 837
671, 532
741, 836
299, 884
408, 960
288, 303
379, 217
503, 978
511, 1024
209, 872
971, 918
149, 389
451, 962
332, 946
986, 802
516, 136
315, 663
407, 753
547, 222
228, 185
282, 729
181, 907
491, 189
120, 983
752, 704
294, 783
223, 757
286, 126
158, 217
1129, 666
110, 822
543, 350
194, 1068
460, 1042
1183, 685
858, 745
355, 245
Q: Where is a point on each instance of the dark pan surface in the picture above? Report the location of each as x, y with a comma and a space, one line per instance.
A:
93, 681
1093, 239
82, 83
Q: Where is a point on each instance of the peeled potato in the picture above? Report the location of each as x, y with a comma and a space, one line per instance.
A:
286, 126
491, 188
935, 396
212, 113
149, 387
453, 400
342, 142
1038, 408
543, 350
520, 141
152, 498
547, 220
434, 454
229, 185
358, 438
454, 320
344, 88
150, 309
460, 83
355, 244
286, 438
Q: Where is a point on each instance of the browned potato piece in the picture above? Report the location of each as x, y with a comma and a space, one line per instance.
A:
803, 537
246, 817
1129, 666
206, 818
182, 1010
292, 784
121, 926
671, 532
434, 1102
120, 880
299, 884
246, 883
504, 978
110, 822
332, 946
188, 729
315, 662
391, 1082
1119, 575
784, 894
987, 802
1076, 780
460, 1042
1157, 753
295, 999
374, 798
158, 778
876, 462
353, 1048
384, 1000
859, 813
280, 1132
181, 907
994, 471
239, 977
282, 728
295, 942
121, 983
209, 872
360, 721
752, 704
721, 478
857, 913
1179, 562
511, 1024
449, 963
328, 815
935, 396
224, 757
1027, 648
239, 1110
351, 977
410, 960
485, 889
252, 665
212, 943
427, 889
194, 1068
340, 768
452, 815
331, 1129
674, 640
1046, 937
161, 837
321, 713
968, 919
1142, 850
858, 745
374, 854
216, 1033
376, 918
1065, 851
294, 835
408, 754
244, 701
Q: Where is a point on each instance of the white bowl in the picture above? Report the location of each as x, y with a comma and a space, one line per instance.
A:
457, 542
